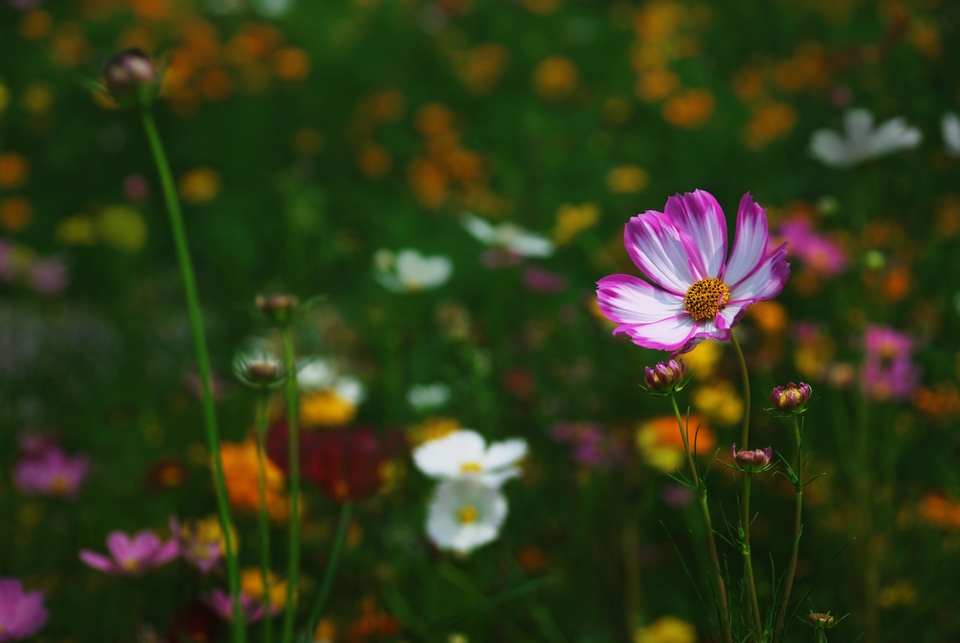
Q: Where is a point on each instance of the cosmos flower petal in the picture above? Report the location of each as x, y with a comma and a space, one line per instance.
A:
30, 615
120, 546
698, 214
894, 135
766, 281
830, 148
626, 299
480, 229
664, 253
504, 454
950, 127
857, 124
667, 334
495, 480
751, 243
527, 244
99, 561
445, 456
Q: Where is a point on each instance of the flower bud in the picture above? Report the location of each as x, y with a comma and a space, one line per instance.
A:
752, 461
821, 621
131, 77
790, 398
665, 377
278, 309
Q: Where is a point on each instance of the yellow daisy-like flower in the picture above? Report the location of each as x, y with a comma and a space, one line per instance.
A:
666, 629
326, 408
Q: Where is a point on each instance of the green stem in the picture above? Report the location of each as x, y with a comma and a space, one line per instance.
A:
708, 524
339, 539
798, 485
633, 603
262, 517
745, 433
293, 411
748, 561
203, 363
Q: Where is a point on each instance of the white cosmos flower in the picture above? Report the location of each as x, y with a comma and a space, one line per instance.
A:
408, 270
509, 237
464, 455
950, 125
315, 374
423, 397
465, 514
860, 141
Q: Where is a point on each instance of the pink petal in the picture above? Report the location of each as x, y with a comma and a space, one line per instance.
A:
766, 281
751, 242
666, 334
119, 545
144, 547
166, 552
100, 562
698, 214
706, 329
630, 300
30, 615
665, 254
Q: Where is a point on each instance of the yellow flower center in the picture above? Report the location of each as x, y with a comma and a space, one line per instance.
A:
467, 515
705, 298
471, 467
131, 564
59, 485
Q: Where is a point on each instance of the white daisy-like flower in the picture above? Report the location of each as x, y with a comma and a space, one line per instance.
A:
257, 359
508, 236
950, 126
860, 141
423, 397
465, 514
408, 270
464, 455
316, 374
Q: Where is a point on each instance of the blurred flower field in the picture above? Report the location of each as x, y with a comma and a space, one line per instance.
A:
577, 321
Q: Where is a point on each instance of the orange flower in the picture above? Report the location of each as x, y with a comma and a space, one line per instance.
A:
555, 78
661, 445
655, 84
291, 64
374, 160
15, 213
769, 122
429, 183
35, 24
240, 472
480, 68
199, 185
14, 170
690, 109
626, 179
769, 316
434, 119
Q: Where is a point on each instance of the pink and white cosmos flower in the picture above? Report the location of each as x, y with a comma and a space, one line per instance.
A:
697, 291
131, 556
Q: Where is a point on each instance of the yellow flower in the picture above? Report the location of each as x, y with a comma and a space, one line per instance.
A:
666, 629
199, 185
574, 219
626, 179
661, 445
719, 401
121, 227
431, 429
555, 78
703, 358
78, 230
251, 585
326, 408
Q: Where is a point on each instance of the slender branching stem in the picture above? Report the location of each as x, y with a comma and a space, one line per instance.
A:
745, 433
798, 485
293, 422
708, 524
327, 584
262, 517
203, 363
748, 561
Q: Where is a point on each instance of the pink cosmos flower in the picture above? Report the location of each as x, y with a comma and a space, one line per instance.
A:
822, 255
132, 556
697, 291
222, 604
51, 472
21, 613
888, 371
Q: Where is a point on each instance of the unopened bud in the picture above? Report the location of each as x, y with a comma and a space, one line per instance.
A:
752, 461
790, 398
665, 377
821, 621
131, 77
278, 309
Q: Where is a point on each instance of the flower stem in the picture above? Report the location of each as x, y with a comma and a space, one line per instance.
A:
748, 561
633, 589
293, 413
745, 433
328, 575
708, 524
262, 517
798, 485
203, 363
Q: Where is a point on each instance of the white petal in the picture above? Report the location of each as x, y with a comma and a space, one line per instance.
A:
480, 229
350, 389
828, 147
504, 454
663, 252
315, 374
858, 124
750, 246
698, 214
446, 456
950, 124
668, 334
527, 244
626, 299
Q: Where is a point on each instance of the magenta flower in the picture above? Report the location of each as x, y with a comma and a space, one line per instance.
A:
222, 604
888, 372
752, 460
51, 472
821, 255
21, 613
132, 556
697, 291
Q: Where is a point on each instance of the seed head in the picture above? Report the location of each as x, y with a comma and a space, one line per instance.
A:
665, 377
131, 77
790, 398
